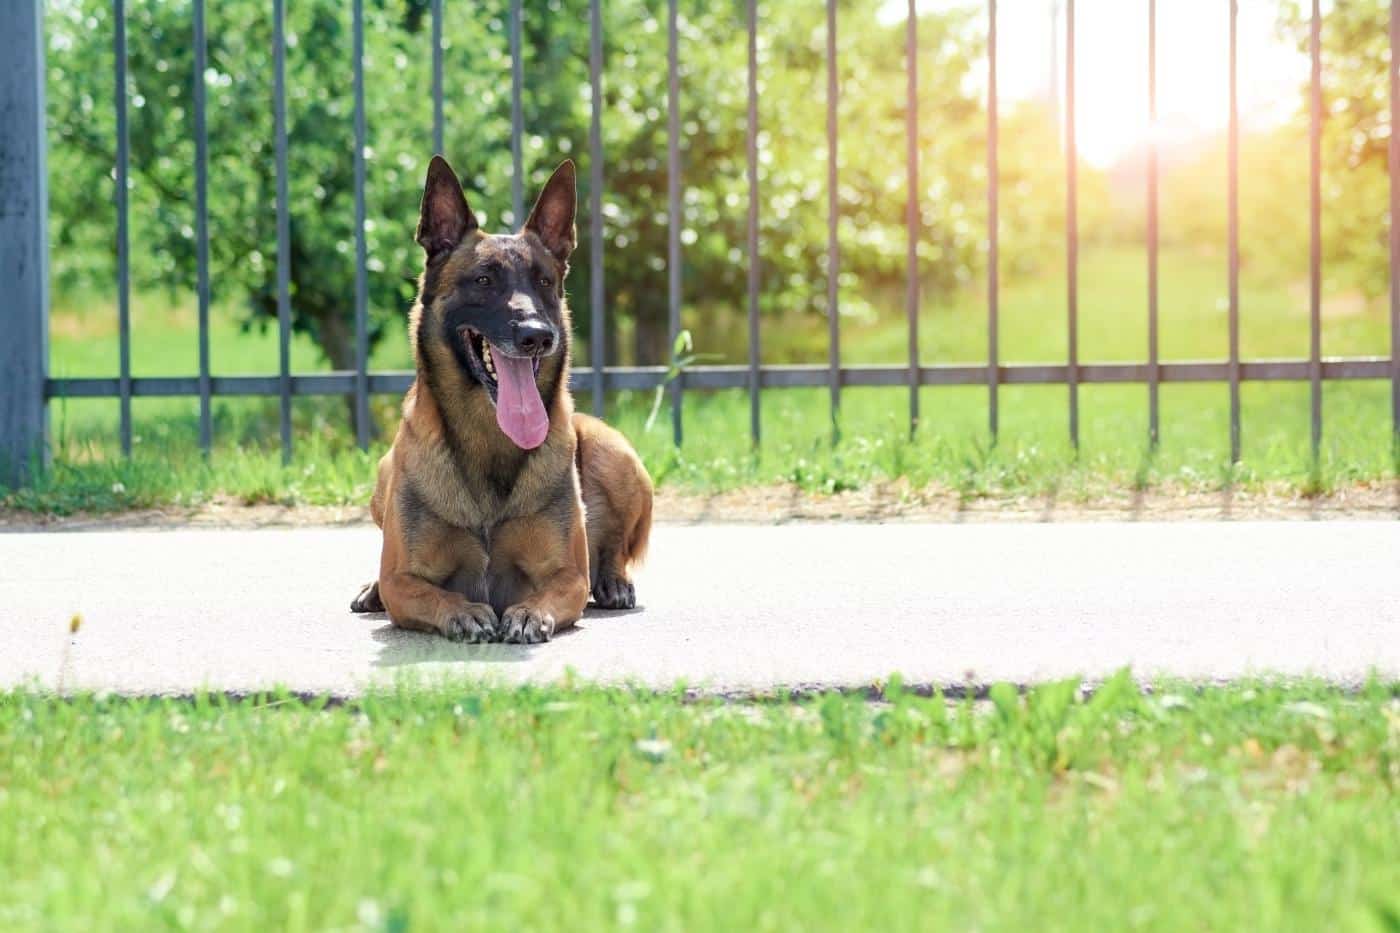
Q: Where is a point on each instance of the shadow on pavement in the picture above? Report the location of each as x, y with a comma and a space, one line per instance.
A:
400, 647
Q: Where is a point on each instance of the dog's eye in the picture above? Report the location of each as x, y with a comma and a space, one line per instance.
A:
546, 281
483, 280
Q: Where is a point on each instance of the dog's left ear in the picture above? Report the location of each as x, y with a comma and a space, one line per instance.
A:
552, 219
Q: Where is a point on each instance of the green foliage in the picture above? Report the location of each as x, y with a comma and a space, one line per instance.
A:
1273, 199
1356, 135
1274, 165
683, 355
792, 170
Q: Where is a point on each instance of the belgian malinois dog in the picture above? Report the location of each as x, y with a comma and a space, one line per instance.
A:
501, 508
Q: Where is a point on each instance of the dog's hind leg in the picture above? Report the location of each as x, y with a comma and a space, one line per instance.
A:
617, 496
367, 600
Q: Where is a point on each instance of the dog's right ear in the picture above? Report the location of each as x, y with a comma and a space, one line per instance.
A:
445, 217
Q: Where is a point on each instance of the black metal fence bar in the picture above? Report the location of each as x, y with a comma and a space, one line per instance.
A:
1153, 373
284, 238
1072, 228
993, 228
810, 376
1233, 210
438, 123
123, 226
833, 215
675, 219
911, 205
201, 225
362, 425
755, 356
597, 345
517, 118
1315, 229
24, 253
1394, 164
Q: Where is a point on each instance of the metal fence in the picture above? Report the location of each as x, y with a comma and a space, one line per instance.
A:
23, 275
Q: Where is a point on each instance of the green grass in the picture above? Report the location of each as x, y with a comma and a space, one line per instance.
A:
952, 448
1250, 807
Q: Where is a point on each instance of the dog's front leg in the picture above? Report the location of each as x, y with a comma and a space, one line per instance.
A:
417, 604
410, 578
555, 605
549, 564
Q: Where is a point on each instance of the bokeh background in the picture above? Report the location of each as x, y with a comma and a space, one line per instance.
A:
1113, 135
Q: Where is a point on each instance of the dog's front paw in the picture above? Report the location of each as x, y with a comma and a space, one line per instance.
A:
474, 623
523, 625
614, 592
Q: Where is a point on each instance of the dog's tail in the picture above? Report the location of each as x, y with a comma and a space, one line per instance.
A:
640, 534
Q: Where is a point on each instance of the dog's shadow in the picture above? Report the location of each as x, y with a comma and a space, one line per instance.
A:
400, 647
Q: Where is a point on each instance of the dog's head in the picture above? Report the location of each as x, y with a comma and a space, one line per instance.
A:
492, 315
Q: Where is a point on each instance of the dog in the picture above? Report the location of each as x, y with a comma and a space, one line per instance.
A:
502, 509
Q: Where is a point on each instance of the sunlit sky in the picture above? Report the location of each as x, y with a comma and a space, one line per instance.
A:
1111, 63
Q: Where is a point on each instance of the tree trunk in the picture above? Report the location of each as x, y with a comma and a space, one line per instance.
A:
337, 341
611, 344
650, 339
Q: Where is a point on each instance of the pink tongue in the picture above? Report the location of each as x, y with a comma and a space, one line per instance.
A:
519, 408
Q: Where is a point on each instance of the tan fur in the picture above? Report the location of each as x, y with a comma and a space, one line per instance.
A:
460, 557
617, 495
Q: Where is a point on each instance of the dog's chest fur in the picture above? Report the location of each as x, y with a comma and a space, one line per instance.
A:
475, 483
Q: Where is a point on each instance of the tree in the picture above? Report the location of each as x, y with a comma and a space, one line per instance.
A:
792, 175
1356, 135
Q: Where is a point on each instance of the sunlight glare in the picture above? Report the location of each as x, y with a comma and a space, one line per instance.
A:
1111, 62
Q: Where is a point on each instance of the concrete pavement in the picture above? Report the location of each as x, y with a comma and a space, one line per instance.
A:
728, 607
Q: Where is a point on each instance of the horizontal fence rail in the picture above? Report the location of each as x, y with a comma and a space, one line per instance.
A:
18, 434
769, 377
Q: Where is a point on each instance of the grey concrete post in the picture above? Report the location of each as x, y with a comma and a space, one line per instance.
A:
24, 254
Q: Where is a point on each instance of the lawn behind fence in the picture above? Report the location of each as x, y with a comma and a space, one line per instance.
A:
951, 449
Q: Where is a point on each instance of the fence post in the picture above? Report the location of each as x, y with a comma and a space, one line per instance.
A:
24, 256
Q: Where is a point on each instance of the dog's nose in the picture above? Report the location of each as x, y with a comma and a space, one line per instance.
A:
533, 338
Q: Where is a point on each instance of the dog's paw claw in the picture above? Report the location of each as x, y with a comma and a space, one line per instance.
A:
612, 592
522, 625
475, 625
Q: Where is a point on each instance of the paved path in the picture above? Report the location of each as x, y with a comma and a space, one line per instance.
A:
729, 608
